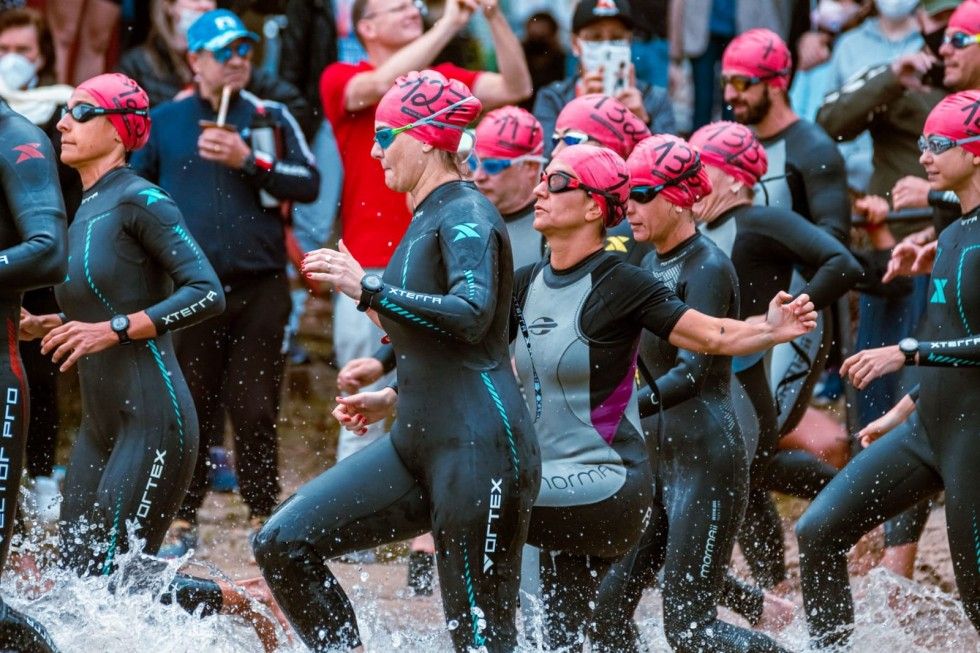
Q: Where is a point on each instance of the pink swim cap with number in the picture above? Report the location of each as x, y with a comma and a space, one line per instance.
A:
733, 148
759, 53
116, 91
507, 133
606, 120
666, 159
421, 94
957, 116
605, 171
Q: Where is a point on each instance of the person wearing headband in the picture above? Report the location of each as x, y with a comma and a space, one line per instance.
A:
135, 275
695, 445
33, 254
582, 311
234, 163
806, 172
936, 447
466, 468
766, 244
506, 164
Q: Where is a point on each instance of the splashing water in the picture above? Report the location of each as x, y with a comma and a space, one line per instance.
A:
82, 614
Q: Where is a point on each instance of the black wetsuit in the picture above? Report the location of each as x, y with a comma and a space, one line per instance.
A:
461, 459
936, 450
135, 450
766, 244
580, 337
701, 470
33, 254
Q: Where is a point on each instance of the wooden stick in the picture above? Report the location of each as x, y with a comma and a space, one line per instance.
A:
223, 107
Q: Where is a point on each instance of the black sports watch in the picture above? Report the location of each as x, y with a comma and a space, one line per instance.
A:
120, 325
371, 285
909, 347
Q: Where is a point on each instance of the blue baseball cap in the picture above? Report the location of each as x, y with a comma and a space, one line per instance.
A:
216, 29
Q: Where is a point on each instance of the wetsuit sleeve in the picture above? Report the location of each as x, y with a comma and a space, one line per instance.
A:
30, 188
293, 176
789, 236
470, 254
687, 377
386, 355
825, 180
652, 304
950, 353
914, 393
161, 231
847, 112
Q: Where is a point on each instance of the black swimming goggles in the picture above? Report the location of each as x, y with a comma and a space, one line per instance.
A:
645, 194
83, 112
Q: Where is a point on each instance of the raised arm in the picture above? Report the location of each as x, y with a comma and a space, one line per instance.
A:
513, 83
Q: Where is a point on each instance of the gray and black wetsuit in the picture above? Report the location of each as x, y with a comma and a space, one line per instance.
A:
33, 254
580, 337
461, 460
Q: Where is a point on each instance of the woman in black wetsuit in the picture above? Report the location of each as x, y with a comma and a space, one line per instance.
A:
765, 245
461, 459
33, 254
134, 275
937, 448
696, 447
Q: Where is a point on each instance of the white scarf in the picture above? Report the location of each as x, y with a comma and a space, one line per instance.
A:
37, 104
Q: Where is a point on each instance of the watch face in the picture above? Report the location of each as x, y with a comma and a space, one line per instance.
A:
908, 345
372, 283
119, 323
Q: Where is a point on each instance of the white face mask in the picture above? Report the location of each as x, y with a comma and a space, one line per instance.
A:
186, 18
896, 9
832, 15
18, 72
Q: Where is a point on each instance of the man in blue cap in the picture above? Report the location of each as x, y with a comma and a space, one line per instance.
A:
232, 162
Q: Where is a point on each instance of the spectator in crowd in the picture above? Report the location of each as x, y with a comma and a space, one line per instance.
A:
229, 181
700, 30
543, 51
597, 24
83, 31
28, 85
161, 66
651, 51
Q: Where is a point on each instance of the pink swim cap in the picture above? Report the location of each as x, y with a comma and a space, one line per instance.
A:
419, 95
116, 91
966, 18
604, 172
606, 120
507, 133
759, 53
733, 148
671, 162
957, 116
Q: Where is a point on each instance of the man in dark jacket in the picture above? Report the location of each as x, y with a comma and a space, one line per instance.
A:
229, 181
597, 22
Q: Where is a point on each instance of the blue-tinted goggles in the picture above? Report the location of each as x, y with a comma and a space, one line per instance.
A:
386, 136
496, 166
571, 137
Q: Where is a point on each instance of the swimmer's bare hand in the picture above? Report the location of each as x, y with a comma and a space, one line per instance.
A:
238, 602
259, 590
910, 193
909, 259
356, 412
32, 326
69, 342
790, 318
890, 420
358, 373
336, 267
865, 366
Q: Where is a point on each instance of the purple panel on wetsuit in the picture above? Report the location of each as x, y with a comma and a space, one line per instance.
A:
607, 415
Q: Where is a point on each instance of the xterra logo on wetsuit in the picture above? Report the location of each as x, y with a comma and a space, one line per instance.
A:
153, 195
465, 230
192, 309
493, 514
28, 151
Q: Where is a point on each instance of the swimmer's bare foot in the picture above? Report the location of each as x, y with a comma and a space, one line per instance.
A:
29, 579
238, 602
777, 613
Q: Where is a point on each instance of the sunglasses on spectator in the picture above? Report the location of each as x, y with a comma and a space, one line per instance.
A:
940, 144
496, 166
742, 83
960, 40
84, 112
571, 137
223, 55
645, 194
399, 8
385, 137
